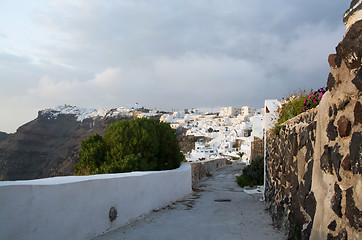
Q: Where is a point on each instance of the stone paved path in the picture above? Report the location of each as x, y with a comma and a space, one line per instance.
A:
217, 209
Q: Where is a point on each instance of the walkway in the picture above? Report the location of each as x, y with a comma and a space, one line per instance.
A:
217, 209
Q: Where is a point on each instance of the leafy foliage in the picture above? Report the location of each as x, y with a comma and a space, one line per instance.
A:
296, 104
140, 144
292, 106
252, 174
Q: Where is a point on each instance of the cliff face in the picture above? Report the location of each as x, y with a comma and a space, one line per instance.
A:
314, 169
3, 136
47, 146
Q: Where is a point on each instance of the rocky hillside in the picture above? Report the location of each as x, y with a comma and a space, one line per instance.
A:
3, 136
50, 145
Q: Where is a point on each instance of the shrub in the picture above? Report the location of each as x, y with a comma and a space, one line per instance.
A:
252, 174
292, 106
141, 144
296, 104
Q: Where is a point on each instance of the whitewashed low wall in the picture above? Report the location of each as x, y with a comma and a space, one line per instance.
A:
77, 207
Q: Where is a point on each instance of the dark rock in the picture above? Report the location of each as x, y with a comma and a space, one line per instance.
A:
331, 82
330, 112
353, 214
344, 126
350, 49
336, 160
343, 104
310, 151
332, 60
332, 226
332, 131
303, 138
346, 163
295, 144
342, 235
113, 214
326, 159
335, 109
357, 81
355, 150
358, 113
311, 205
308, 176
338, 61
336, 200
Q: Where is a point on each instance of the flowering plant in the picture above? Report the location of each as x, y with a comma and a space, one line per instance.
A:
314, 98
296, 103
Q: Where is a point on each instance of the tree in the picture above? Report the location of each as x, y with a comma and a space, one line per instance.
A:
92, 156
141, 144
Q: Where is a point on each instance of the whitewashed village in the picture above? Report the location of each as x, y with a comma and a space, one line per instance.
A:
228, 133
234, 133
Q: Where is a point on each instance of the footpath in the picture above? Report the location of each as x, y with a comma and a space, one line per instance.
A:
217, 209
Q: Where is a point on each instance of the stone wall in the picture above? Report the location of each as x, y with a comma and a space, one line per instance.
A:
200, 170
314, 169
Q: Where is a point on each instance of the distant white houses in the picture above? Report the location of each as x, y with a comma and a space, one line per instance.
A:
248, 111
202, 151
230, 112
231, 131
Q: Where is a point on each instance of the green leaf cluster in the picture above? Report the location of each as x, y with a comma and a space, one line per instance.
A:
252, 174
291, 106
141, 144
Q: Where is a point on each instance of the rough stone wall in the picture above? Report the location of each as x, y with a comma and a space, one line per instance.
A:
290, 164
314, 169
201, 170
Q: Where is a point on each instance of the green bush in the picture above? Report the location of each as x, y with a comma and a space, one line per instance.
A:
252, 174
297, 103
292, 106
141, 144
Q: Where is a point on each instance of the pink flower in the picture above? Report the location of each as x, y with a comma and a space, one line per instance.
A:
315, 100
320, 96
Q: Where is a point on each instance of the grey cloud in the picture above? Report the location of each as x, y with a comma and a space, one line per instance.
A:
175, 54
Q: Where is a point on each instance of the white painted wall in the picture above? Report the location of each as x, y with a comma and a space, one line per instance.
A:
77, 207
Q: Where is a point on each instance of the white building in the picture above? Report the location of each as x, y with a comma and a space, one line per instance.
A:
203, 150
248, 111
257, 122
229, 112
271, 115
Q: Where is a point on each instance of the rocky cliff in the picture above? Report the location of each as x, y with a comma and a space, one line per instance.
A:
50, 145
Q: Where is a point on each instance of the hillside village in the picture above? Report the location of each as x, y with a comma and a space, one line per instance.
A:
231, 132
228, 133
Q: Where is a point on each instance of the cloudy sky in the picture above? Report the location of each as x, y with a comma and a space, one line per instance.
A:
169, 54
